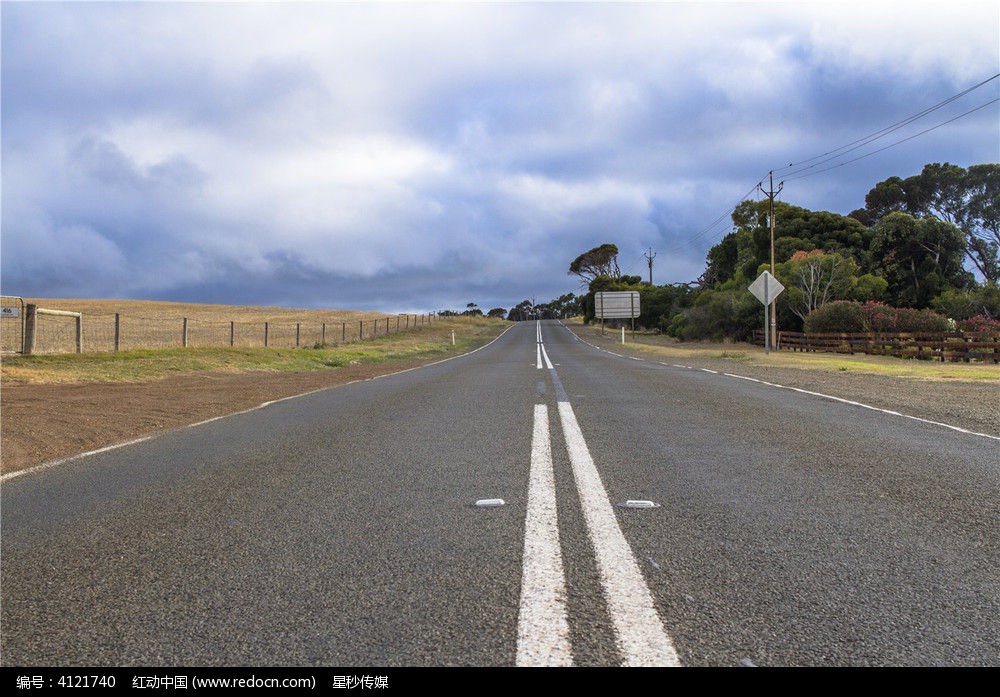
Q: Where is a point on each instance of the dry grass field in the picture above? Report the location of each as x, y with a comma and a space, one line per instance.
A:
57, 405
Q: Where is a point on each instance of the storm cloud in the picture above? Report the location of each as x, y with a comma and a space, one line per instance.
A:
411, 157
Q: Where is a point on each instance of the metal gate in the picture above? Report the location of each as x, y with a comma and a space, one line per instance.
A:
11, 324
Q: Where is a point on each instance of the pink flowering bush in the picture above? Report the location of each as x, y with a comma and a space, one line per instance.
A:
850, 316
882, 318
979, 323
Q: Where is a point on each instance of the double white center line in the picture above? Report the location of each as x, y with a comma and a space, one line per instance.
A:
543, 628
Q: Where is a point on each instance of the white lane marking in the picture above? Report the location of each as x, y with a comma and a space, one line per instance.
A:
542, 624
714, 372
538, 356
545, 355
959, 429
641, 638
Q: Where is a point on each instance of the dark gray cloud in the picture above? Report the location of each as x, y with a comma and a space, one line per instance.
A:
413, 158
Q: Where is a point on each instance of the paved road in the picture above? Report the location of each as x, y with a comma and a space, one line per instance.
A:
339, 528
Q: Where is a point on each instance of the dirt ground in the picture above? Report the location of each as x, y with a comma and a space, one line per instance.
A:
42, 423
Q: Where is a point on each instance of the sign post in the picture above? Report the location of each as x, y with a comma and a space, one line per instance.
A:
766, 288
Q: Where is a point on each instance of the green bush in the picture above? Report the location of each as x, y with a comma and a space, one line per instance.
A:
729, 312
838, 316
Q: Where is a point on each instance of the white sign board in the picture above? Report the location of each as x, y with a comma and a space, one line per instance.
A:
619, 304
10, 312
766, 288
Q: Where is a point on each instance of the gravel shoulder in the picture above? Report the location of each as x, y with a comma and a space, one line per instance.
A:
969, 404
46, 422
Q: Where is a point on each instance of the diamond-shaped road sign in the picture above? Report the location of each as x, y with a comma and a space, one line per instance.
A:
766, 288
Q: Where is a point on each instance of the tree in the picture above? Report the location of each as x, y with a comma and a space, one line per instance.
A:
497, 312
720, 262
524, 310
565, 306
796, 230
969, 199
981, 219
599, 261
816, 278
918, 258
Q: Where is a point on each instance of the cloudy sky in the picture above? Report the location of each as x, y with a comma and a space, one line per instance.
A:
414, 157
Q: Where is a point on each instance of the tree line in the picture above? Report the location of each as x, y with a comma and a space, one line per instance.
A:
908, 247
563, 307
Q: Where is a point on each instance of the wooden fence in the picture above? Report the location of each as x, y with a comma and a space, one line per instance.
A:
957, 346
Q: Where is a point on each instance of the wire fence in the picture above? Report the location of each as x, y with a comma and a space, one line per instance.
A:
11, 324
58, 333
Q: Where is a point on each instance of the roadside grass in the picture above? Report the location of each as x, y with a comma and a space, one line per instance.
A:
424, 343
741, 353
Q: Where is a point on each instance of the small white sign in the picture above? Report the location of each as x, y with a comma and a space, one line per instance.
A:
10, 312
766, 288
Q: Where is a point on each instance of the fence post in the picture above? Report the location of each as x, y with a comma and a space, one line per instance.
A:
298, 326
343, 332
79, 333
361, 330
30, 319
322, 336
232, 333
118, 331
265, 334
185, 333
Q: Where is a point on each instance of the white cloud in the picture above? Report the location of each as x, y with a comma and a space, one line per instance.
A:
906, 40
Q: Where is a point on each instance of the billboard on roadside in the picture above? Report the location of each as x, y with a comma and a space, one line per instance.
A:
619, 304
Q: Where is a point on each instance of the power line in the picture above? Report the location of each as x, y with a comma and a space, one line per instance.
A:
872, 137
691, 241
836, 153
892, 145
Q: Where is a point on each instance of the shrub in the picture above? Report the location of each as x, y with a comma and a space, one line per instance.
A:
979, 323
728, 312
838, 316
879, 317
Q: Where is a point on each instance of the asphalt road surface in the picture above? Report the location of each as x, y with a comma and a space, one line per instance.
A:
766, 527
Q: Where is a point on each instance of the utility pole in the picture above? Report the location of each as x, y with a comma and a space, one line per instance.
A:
649, 258
770, 195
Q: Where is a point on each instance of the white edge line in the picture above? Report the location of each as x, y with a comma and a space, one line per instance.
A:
141, 439
959, 429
